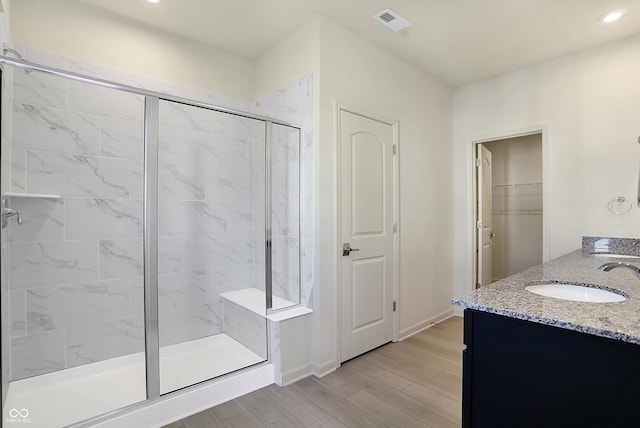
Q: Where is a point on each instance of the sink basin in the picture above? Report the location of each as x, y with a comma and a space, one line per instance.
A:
576, 293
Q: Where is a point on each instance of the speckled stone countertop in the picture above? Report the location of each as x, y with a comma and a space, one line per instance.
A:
619, 321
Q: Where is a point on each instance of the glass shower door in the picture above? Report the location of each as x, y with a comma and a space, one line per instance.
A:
285, 226
210, 244
73, 262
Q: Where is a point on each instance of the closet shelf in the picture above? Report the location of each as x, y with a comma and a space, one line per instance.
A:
31, 195
517, 185
517, 212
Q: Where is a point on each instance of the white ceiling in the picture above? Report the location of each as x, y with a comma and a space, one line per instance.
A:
456, 41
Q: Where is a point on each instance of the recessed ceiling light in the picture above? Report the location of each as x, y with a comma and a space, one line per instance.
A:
612, 16
153, 1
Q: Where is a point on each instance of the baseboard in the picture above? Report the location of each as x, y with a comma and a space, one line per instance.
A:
292, 376
417, 328
458, 311
327, 367
181, 404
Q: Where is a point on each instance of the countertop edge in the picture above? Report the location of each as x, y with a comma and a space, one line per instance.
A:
549, 321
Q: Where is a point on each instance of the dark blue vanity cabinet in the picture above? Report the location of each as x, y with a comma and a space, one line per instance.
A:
520, 374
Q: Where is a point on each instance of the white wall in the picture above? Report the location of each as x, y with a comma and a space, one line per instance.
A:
356, 72
348, 69
589, 107
295, 56
79, 31
5, 7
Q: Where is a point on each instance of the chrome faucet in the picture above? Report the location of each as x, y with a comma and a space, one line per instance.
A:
612, 265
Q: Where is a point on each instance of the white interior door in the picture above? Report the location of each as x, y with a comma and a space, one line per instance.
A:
485, 216
366, 219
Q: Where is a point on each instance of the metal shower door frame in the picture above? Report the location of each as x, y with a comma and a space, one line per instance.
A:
150, 202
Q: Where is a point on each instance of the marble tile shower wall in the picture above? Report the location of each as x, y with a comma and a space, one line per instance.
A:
106, 177
75, 266
285, 214
293, 200
206, 226
5, 148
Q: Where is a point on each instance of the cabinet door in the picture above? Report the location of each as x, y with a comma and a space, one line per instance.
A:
523, 374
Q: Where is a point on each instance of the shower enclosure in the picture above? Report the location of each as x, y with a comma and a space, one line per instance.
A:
145, 239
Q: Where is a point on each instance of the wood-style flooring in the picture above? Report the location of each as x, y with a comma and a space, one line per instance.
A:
413, 383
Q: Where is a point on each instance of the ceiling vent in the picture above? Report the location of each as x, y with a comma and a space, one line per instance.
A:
391, 20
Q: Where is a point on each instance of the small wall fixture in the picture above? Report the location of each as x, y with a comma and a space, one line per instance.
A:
619, 205
612, 16
6, 49
391, 20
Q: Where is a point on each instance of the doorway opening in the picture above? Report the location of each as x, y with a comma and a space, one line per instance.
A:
509, 206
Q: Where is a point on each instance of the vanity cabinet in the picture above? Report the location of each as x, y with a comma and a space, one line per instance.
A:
519, 374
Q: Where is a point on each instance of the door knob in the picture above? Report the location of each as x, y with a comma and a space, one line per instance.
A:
492, 235
346, 249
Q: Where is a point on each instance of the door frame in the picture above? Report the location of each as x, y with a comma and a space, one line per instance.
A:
546, 185
339, 107
481, 224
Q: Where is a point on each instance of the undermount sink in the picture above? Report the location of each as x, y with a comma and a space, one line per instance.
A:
576, 293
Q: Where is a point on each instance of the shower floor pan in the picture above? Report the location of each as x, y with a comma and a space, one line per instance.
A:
70, 396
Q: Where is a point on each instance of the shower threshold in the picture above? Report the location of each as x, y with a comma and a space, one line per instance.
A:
72, 395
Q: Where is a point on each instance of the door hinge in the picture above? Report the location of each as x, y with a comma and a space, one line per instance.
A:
394, 149
395, 227
394, 306
478, 225
478, 162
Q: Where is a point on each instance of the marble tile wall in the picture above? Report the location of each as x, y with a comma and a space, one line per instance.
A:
205, 216
76, 261
246, 327
5, 179
293, 200
285, 218
285, 213
75, 265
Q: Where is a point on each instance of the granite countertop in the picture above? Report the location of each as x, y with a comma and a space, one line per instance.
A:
620, 321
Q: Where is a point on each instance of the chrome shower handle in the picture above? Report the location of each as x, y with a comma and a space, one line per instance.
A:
8, 213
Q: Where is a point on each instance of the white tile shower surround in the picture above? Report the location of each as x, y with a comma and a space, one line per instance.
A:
90, 155
294, 103
5, 168
99, 143
68, 396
